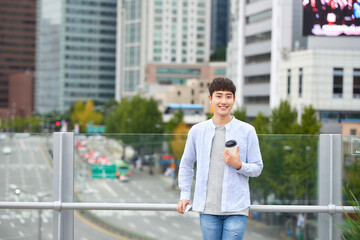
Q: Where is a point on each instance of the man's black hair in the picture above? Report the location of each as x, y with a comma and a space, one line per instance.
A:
222, 84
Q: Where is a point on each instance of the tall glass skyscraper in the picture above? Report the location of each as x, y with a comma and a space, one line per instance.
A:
76, 48
220, 23
159, 31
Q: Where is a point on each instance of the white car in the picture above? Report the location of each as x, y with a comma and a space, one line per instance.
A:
6, 150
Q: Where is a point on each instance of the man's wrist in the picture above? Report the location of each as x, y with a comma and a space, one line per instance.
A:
239, 166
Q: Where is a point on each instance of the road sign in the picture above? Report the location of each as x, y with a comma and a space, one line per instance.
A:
95, 128
103, 171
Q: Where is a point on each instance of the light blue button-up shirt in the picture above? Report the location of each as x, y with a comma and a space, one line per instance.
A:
235, 190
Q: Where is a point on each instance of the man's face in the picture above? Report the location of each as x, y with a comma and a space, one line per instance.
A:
222, 102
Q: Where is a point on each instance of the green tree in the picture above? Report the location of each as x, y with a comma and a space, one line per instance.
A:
309, 122
261, 123
283, 119
219, 54
174, 121
240, 114
138, 115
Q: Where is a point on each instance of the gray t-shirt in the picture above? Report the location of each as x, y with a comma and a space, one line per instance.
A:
216, 175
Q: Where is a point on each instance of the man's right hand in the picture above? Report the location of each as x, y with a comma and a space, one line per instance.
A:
181, 205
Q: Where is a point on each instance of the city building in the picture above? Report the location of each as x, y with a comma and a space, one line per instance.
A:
159, 31
329, 80
182, 83
177, 74
17, 61
220, 23
21, 94
76, 50
350, 127
191, 98
270, 44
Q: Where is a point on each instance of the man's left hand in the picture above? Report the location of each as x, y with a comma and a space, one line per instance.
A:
233, 160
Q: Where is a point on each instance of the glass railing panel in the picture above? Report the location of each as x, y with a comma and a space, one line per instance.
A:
351, 167
25, 176
289, 177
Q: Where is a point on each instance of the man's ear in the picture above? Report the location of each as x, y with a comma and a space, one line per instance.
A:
210, 98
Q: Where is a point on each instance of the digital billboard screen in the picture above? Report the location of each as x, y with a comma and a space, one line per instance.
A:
331, 17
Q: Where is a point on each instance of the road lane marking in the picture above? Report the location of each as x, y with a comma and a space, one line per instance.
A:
176, 225
197, 234
12, 224
146, 220
149, 234
185, 238
21, 233
132, 225
162, 229
111, 191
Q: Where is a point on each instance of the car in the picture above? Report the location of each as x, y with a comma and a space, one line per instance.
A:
122, 171
6, 150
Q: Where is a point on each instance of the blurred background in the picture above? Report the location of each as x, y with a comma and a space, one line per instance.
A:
130, 77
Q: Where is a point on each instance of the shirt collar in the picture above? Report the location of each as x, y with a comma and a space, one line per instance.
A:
227, 126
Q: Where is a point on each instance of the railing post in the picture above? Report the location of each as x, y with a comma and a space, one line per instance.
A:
329, 183
63, 184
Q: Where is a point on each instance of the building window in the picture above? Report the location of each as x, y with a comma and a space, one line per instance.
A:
300, 82
257, 17
178, 93
258, 58
157, 59
353, 132
356, 83
220, 71
256, 99
338, 76
257, 78
288, 81
263, 36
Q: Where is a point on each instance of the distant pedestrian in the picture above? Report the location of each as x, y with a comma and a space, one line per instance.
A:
222, 195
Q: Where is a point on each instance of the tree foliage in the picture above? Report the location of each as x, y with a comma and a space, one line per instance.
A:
261, 123
219, 54
138, 115
240, 114
290, 161
85, 113
179, 140
309, 122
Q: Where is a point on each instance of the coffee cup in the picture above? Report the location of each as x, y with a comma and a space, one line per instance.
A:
231, 145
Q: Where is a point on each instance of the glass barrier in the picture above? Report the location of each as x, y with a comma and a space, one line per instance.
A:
143, 169
25, 176
135, 168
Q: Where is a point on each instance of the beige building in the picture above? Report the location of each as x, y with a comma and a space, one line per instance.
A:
350, 127
177, 74
195, 91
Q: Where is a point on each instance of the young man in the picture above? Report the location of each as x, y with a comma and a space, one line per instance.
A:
222, 195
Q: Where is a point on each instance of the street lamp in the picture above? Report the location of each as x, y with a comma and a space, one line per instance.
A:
39, 196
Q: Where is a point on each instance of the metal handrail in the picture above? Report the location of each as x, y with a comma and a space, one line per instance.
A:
331, 209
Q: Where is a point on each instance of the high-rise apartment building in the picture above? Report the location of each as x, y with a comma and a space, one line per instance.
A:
159, 31
17, 54
76, 50
220, 23
268, 55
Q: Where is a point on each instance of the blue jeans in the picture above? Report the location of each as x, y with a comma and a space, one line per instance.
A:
222, 227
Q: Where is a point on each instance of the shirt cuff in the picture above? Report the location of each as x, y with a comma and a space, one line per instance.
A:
243, 168
185, 195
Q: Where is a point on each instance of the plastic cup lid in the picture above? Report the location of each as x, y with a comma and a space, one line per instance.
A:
231, 143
